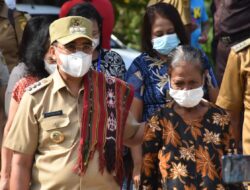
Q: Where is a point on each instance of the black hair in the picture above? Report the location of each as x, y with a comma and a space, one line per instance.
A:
87, 10
166, 11
188, 54
1, 4
35, 44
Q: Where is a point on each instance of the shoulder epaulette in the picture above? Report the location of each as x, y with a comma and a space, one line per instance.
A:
38, 85
240, 46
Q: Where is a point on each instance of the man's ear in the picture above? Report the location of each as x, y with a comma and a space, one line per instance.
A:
52, 52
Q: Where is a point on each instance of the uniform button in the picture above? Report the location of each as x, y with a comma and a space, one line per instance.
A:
57, 137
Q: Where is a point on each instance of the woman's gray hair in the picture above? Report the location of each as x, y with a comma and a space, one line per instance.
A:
188, 54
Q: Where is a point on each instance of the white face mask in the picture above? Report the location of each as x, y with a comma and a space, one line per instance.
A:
96, 42
187, 98
50, 68
75, 64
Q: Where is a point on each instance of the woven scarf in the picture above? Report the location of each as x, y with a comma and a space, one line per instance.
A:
106, 103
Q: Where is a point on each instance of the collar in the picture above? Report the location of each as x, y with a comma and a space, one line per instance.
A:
59, 82
4, 11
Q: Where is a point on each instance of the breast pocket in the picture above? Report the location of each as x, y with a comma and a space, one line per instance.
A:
57, 132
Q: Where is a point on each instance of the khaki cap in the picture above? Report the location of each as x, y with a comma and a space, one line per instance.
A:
67, 29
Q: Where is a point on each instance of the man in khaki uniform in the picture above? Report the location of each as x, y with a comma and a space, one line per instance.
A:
50, 123
183, 7
10, 36
234, 94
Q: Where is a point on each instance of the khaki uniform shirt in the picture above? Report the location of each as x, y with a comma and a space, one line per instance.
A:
47, 125
10, 38
235, 88
183, 7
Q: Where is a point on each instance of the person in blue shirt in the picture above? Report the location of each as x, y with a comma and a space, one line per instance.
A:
200, 18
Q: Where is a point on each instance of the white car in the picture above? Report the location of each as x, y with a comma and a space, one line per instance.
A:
127, 54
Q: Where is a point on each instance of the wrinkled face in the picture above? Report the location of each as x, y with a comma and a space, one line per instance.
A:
161, 26
186, 76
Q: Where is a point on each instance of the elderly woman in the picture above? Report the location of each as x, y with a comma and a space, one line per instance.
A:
184, 141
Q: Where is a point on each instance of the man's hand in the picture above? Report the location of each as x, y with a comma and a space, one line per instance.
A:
5, 183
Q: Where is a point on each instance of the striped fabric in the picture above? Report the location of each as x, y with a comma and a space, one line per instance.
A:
106, 103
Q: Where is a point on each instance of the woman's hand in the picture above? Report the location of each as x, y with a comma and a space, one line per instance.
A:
136, 176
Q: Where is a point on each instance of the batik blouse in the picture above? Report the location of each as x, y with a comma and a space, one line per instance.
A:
185, 155
110, 63
149, 77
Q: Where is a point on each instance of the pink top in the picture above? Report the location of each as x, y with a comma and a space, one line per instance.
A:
21, 85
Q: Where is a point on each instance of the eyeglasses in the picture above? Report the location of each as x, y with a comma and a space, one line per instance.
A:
72, 47
86, 47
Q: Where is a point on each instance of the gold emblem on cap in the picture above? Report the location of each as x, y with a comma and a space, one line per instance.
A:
57, 137
77, 26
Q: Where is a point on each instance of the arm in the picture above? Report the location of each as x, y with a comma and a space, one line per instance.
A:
232, 92
204, 25
235, 119
22, 138
137, 110
136, 151
133, 134
152, 143
204, 33
21, 171
213, 90
7, 153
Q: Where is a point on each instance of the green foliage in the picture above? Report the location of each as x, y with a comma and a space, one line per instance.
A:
129, 14
207, 47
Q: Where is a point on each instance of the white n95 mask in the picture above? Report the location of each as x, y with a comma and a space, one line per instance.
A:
50, 68
187, 98
76, 64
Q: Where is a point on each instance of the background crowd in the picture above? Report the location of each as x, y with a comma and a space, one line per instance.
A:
163, 123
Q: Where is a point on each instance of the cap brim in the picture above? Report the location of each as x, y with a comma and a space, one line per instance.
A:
72, 37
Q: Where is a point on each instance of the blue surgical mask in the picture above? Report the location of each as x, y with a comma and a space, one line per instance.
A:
166, 43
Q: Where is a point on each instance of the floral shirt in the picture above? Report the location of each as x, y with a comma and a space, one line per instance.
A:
149, 77
21, 85
110, 63
181, 155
